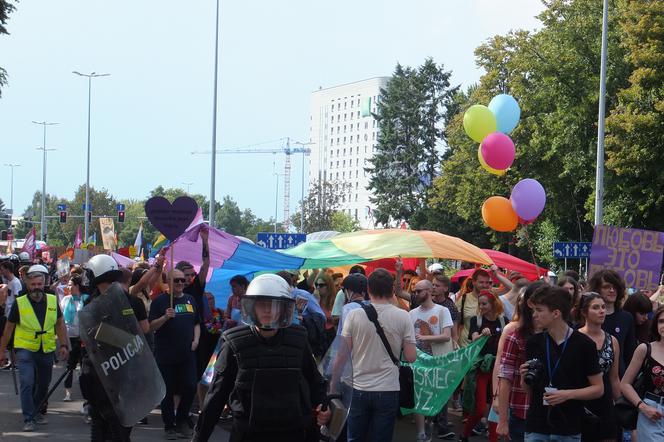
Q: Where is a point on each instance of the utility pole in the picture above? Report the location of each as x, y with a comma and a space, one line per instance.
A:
213, 173
43, 195
11, 194
599, 174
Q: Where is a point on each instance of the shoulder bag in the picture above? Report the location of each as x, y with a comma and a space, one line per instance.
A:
406, 382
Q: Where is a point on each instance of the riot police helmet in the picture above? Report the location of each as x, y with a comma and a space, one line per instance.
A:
24, 256
268, 303
102, 268
37, 269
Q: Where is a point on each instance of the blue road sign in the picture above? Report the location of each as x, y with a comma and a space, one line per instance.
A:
562, 250
62, 207
89, 207
277, 241
120, 207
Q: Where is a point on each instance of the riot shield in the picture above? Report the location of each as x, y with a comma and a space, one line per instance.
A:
336, 367
121, 356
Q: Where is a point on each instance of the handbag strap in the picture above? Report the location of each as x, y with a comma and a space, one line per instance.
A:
372, 314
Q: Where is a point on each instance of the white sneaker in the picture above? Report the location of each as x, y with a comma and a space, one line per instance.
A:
67, 397
423, 438
29, 426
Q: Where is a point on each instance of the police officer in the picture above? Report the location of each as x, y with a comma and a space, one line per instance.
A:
102, 272
265, 371
36, 319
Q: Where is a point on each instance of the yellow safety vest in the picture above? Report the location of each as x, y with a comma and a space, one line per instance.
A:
29, 333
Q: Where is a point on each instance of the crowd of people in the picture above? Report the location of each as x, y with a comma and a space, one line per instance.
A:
557, 356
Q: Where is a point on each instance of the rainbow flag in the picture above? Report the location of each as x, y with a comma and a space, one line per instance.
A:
159, 244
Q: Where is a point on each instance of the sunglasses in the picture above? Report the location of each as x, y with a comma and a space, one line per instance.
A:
320, 284
179, 280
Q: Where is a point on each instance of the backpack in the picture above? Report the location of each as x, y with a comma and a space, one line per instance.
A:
315, 326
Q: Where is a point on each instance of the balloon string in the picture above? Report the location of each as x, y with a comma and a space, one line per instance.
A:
530, 247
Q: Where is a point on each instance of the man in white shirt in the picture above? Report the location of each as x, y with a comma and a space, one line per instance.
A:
13, 284
433, 333
375, 376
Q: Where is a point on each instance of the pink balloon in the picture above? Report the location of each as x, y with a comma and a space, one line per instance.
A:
498, 151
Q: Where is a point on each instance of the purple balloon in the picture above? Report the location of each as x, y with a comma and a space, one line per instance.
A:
528, 199
171, 219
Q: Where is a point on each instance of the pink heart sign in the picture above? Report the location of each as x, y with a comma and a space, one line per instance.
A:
171, 219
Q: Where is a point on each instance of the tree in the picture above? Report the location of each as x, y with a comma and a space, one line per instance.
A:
343, 222
634, 194
554, 75
323, 200
411, 113
5, 9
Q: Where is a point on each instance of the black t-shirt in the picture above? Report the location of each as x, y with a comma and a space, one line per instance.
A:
172, 342
138, 307
621, 325
197, 291
577, 363
491, 346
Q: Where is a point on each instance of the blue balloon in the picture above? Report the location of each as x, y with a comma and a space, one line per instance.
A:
507, 112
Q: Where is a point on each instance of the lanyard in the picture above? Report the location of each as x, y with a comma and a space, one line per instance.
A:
548, 356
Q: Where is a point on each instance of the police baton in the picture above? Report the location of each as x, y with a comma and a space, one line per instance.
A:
50, 392
12, 367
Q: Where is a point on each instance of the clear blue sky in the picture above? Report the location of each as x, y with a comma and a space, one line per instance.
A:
156, 106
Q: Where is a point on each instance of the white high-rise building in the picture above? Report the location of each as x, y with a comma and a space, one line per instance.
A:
344, 134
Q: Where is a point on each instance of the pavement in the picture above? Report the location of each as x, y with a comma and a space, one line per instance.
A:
65, 421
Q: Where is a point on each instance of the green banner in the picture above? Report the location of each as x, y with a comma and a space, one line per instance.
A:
436, 377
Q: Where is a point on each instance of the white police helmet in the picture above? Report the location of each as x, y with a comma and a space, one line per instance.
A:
37, 269
268, 303
24, 256
102, 268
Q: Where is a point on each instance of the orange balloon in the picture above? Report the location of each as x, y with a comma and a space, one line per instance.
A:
498, 214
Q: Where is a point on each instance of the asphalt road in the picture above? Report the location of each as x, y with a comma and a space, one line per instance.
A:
65, 421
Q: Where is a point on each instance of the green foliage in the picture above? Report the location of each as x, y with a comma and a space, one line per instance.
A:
6, 7
554, 75
411, 113
636, 126
343, 222
321, 205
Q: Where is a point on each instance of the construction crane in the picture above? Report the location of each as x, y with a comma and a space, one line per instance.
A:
288, 151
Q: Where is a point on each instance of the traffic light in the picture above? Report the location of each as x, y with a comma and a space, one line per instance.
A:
63, 216
121, 216
89, 217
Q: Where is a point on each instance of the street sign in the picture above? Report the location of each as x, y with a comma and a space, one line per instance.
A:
277, 241
563, 250
120, 207
89, 207
62, 207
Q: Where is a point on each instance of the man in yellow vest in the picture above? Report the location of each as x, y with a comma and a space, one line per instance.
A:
35, 319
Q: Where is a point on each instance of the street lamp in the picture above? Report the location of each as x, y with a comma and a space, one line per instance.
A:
43, 195
90, 76
599, 173
213, 172
11, 194
188, 186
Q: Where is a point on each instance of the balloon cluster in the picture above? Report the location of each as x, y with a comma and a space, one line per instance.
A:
490, 127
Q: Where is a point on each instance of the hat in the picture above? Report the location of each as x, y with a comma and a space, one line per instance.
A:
355, 282
435, 267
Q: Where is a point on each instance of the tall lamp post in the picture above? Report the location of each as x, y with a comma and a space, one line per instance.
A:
213, 172
90, 76
599, 173
11, 192
188, 186
42, 231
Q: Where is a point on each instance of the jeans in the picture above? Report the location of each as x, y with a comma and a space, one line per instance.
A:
538, 437
372, 416
179, 379
648, 430
34, 372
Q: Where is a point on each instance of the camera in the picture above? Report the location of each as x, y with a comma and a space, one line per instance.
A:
534, 373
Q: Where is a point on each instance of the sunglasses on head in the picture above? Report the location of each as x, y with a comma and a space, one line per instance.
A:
179, 280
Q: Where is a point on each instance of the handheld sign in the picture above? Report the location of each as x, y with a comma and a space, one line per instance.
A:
171, 220
635, 254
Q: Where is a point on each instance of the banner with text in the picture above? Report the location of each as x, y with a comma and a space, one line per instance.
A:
635, 254
436, 377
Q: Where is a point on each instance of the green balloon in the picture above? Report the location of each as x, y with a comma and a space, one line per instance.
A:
478, 122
